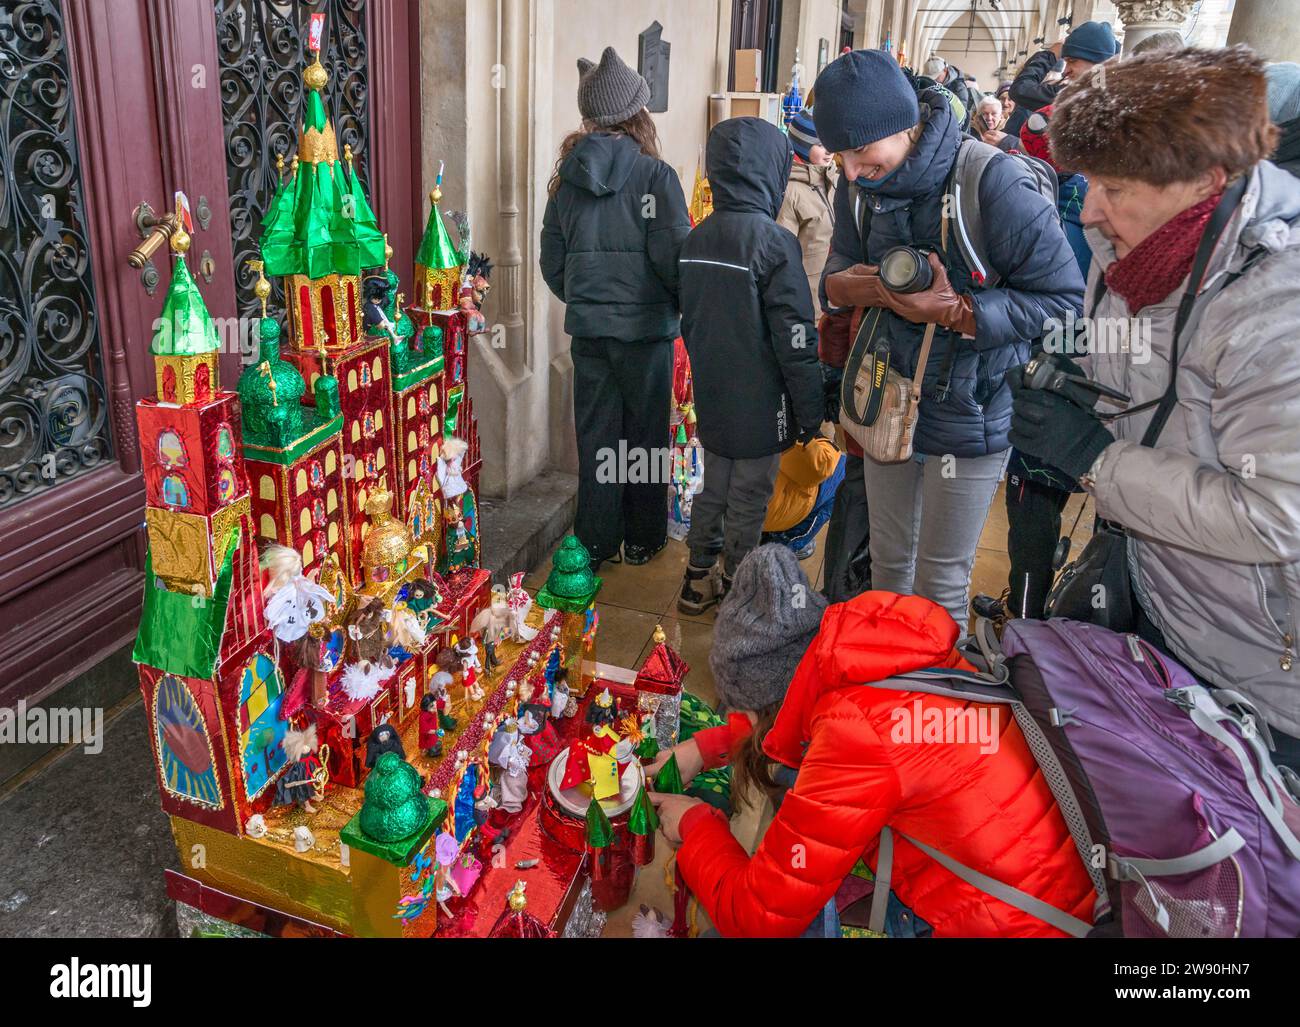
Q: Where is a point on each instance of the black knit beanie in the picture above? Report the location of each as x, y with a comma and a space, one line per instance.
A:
863, 96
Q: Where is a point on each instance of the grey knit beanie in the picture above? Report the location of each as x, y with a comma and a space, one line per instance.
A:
764, 626
610, 92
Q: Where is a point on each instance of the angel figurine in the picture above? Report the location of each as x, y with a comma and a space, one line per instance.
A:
519, 602
445, 851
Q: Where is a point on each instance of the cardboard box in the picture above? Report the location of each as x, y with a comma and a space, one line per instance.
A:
749, 71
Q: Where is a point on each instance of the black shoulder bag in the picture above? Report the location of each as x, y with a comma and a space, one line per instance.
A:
1096, 587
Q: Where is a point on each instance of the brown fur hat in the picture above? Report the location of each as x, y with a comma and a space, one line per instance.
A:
1166, 116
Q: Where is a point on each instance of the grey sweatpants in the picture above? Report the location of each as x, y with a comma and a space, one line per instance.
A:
926, 518
728, 513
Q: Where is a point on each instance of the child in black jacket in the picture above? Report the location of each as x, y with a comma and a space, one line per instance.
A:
747, 319
611, 235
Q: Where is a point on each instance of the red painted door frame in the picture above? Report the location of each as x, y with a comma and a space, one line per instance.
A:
146, 86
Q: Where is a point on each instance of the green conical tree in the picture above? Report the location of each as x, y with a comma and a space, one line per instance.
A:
394, 806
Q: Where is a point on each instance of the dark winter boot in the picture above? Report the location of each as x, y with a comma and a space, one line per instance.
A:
700, 589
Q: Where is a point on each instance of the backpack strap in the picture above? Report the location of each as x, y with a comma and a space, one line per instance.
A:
1013, 897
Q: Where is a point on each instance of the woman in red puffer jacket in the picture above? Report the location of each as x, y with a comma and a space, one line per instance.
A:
984, 804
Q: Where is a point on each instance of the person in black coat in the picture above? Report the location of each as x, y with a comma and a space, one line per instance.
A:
613, 227
899, 154
747, 319
1091, 43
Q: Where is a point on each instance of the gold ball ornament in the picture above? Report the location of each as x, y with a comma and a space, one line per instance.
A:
435, 194
181, 241
517, 898
315, 76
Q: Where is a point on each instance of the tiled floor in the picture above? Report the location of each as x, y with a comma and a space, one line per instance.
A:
633, 600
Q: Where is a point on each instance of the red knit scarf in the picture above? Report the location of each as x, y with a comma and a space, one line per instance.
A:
1155, 266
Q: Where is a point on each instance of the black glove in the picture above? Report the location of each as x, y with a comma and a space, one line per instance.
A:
1086, 398
1054, 429
832, 380
807, 435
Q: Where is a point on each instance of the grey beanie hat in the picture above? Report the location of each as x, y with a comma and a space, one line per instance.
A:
764, 626
610, 92
1283, 91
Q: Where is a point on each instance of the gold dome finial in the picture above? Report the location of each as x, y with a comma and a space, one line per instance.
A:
315, 76
389, 543
659, 637
347, 153
388, 252
435, 194
517, 899
279, 165
262, 287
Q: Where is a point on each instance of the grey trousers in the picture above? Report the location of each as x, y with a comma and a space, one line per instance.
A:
926, 518
728, 513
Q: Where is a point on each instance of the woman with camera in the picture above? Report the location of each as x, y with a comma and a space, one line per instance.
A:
1196, 244
898, 155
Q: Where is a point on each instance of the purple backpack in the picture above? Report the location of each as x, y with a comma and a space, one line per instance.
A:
1186, 827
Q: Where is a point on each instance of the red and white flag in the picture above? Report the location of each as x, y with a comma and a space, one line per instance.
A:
315, 32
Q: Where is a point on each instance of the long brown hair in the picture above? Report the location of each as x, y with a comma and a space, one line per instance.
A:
640, 127
751, 768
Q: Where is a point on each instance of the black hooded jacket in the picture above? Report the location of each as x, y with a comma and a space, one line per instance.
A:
1287, 154
747, 313
610, 239
1029, 90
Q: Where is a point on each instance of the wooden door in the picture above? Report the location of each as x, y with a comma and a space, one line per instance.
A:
105, 104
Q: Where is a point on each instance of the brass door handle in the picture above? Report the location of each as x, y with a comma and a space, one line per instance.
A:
154, 230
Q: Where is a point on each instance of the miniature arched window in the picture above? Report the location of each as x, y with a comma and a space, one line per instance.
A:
304, 521
331, 462
171, 451
332, 501
380, 460
225, 443
316, 475
333, 532
410, 469
305, 318
227, 485
377, 369
267, 526
433, 394
410, 406
352, 380
328, 316
266, 488
410, 441
356, 431
361, 498
202, 383
318, 514
184, 750
174, 491
169, 384
361, 475
307, 554
379, 420
260, 694
300, 482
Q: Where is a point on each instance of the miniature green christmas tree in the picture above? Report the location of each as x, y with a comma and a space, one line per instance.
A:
600, 832
571, 586
669, 778
394, 807
642, 819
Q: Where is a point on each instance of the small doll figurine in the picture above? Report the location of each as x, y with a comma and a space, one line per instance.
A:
368, 628
445, 851
422, 596
560, 696
383, 739
539, 734
474, 289
519, 602
467, 652
492, 624
514, 758
451, 459
430, 735
377, 322
297, 786
603, 710
438, 685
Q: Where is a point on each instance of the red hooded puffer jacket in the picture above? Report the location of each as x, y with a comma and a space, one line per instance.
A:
991, 811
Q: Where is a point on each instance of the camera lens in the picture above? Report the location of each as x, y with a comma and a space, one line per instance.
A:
905, 269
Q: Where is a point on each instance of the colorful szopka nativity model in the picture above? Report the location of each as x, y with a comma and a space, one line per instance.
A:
345, 720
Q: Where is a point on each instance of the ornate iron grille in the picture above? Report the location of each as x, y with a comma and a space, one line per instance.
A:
262, 48
53, 406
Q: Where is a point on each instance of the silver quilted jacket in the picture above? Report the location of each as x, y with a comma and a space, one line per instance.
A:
1214, 508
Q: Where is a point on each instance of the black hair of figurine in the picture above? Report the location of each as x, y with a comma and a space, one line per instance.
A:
479, 264
383, 739
429, 702
597, 714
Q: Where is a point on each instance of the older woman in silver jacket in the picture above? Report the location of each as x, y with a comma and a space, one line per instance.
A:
1173, 145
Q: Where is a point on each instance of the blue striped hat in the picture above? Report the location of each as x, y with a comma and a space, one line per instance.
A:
803, 133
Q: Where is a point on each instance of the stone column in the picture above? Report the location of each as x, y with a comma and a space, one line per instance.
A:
1270, 27
1142, 18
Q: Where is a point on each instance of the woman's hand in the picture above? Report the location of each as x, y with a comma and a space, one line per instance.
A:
689, 761
671, 809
